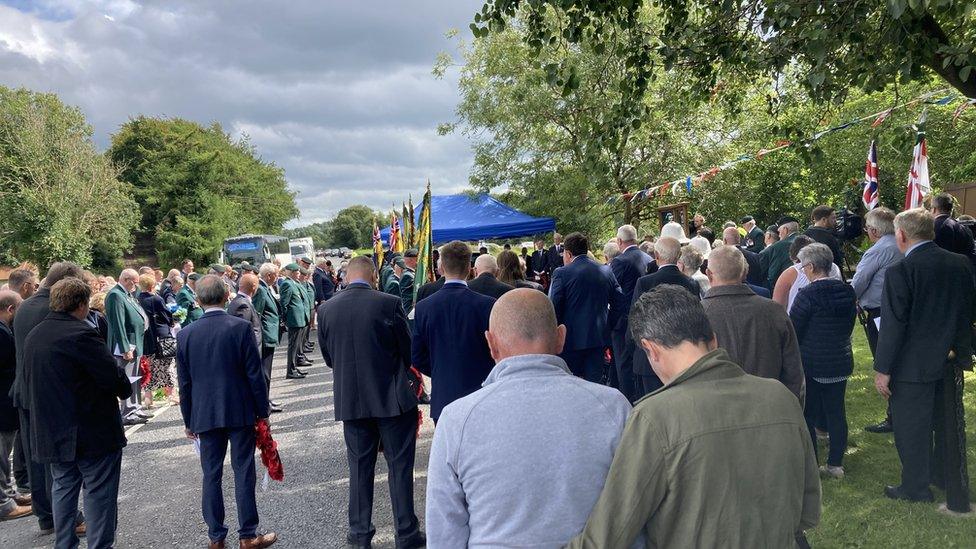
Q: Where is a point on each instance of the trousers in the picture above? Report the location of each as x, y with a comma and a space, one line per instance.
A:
294, 346
919, 443
40, 477
267, 361
213, 449
12, 466
585, 363
825, 402
100, 478
363, 437
132, 404
623, 357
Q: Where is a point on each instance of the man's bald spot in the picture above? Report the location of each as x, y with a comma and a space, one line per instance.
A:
731, 236
524, 314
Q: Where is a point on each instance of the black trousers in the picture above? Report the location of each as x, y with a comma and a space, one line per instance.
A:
294, 346
39, 475
647, 385
825, 403
267, 361
916, 413
585, 363
399, 437
871, 331
213, 448
623, 357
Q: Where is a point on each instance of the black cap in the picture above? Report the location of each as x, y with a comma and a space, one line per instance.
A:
773, 228
248, 268
412, 252
193, 276
400, 263
745, 219
787, 219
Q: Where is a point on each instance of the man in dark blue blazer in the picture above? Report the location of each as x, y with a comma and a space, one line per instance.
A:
449, 342
666, 251
322, 280
627, 267
588, 301
223, 395
364, 338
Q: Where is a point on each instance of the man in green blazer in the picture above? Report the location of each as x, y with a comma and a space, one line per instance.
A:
305, 276
295, 310
126, 329
266, 306
776, 258
187, 299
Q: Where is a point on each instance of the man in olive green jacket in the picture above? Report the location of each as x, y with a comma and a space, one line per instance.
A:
266, 307
715, 458
126, 329
295, 311
776, 258
187, 299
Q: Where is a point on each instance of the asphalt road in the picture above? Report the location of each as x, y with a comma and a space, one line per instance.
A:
159, 496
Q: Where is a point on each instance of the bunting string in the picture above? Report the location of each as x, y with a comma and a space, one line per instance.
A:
687, 183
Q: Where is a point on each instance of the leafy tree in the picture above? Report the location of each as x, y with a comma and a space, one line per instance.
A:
562, 153
321, 233
196, 186
352, 227
62, 200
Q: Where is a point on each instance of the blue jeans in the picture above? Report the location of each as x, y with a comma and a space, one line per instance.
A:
100, 478
213, 448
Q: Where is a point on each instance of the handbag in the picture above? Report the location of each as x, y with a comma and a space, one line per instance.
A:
167, 347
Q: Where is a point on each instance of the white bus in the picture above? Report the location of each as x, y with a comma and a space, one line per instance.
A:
255, 249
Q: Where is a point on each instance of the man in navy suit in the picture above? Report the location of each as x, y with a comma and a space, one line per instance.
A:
449, 342
223, 395
667, 250
627, 267
588, 301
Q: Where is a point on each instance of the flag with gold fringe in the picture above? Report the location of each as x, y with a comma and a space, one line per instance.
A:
396, 239
377, 246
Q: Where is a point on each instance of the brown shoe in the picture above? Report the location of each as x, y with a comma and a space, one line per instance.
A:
18, 512
216, 545
25, 499
81, 529
260, 542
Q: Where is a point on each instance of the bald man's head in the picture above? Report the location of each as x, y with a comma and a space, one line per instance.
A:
248, 284
730, 236
523, 322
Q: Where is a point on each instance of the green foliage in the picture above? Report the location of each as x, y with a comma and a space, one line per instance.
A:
196, 186
61, 200
321, 233
352, 227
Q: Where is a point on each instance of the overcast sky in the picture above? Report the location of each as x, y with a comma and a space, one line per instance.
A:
338, 92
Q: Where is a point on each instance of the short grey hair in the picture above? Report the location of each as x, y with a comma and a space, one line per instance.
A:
818, 256
669, 315
61, 270
692, 259
627, 233
267, 268
917, 224
667, 250
211, 291
611, 250
728, 264
881, 219
319, 261
486, 263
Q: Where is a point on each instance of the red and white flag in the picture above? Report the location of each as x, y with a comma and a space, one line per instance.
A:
918, 175
870, 196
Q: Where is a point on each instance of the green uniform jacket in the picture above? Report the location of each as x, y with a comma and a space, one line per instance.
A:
716, 458
126, 325
776, 259
392, 285
293, 303
187, 299
406, 289
267, 308
309, 297
386, 272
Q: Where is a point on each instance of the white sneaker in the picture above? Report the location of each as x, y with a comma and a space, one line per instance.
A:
832, 471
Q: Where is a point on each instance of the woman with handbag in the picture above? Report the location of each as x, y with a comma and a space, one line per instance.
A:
159, 345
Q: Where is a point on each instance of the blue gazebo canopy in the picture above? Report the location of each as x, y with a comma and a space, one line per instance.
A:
479, 217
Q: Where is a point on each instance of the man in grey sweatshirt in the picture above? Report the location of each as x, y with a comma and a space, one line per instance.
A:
522, 461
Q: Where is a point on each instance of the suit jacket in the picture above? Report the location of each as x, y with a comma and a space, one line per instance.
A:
950, 235
755, 240
187, 299
293, 303
266, 307
537, 262
8, 372
364, 338
74, 395
429, 289
449, 343
324, 285
926, 311
241, 307
554, 259
309, 297
627, 267
487, 284
126, 323
588, 300
219, 367
30, 313
666, 274
406, 289
776, 259
755, 274
97, 320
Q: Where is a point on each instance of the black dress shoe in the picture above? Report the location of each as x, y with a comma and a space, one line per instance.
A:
883, 427
295, 375
413, 542
305, 362
134, 420
895, 492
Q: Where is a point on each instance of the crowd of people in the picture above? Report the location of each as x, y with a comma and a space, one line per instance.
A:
674, 391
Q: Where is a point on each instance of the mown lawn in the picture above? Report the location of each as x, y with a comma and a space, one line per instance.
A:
855, 511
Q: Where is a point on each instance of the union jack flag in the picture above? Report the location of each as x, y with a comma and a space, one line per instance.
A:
870, 196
